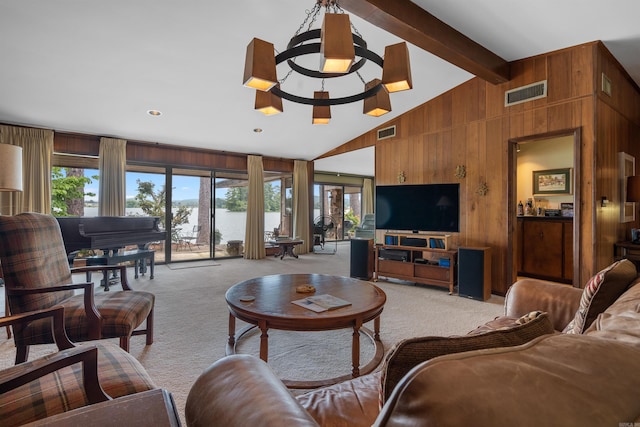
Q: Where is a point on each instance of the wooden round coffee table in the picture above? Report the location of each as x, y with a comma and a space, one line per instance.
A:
271, 307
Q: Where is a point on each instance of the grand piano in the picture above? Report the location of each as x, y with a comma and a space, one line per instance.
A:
110, 234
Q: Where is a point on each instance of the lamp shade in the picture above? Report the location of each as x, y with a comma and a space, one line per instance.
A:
321, 113
336, 46
260, 65
378, 104
268, 103
11, 167
396, 71
633, 189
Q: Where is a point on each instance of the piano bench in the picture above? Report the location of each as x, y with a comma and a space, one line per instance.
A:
138, 256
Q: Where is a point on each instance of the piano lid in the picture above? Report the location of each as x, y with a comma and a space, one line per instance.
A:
107, 232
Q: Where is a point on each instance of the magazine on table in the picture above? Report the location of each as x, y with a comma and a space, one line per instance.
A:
320, 303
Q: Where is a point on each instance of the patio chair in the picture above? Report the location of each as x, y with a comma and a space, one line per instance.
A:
37, 276
189, 239
367, 229
70, 378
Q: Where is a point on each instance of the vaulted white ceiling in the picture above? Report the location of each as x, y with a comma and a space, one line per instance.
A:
98, 67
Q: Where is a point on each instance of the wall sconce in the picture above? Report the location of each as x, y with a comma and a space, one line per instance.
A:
604, 202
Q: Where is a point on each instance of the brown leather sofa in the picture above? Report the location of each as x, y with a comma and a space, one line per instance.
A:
587, 379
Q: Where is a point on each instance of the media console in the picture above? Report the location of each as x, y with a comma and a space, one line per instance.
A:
417, 258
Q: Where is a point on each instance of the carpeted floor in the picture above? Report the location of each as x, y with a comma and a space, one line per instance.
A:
191, 321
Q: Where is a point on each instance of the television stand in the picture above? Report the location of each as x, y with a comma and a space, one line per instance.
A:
426, 265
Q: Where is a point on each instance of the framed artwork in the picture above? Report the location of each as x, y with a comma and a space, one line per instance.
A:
552, 182
626, 167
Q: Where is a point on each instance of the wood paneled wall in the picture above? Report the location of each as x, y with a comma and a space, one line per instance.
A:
469, 125
162, 154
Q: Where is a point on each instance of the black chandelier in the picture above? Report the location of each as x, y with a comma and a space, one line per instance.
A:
342, 52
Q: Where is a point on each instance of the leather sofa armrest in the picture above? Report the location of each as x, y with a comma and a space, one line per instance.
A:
242, 390
560, 301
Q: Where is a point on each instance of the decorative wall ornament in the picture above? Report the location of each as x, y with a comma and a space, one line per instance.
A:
401, 177
482, 190
461, 171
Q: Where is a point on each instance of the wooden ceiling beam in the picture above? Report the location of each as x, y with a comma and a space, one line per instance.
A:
418, 27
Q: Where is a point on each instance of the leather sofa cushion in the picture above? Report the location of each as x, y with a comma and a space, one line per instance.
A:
600, 292
352, 403
620, 321
558, 379
501, 332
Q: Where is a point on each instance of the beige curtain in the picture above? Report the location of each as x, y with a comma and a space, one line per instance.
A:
37, 151
301, 225
367, 196
113, 168
254, 235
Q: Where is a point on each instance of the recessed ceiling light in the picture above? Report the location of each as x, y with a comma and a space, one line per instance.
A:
154, 113
257, 130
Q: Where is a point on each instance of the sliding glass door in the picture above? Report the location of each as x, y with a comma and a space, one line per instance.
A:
230, 213
190, 215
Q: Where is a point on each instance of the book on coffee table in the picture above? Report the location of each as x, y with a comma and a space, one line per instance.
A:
324, 302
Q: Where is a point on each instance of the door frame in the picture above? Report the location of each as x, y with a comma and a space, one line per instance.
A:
512, 199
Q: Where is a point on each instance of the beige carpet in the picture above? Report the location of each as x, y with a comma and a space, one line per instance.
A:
191, 321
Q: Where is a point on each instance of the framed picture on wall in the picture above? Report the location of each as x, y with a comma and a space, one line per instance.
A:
626, 167
552, 181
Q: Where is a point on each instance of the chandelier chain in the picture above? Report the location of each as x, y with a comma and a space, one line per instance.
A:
312, 15
338, 8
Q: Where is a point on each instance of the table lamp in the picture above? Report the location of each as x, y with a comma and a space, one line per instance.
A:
11, 170
10, 180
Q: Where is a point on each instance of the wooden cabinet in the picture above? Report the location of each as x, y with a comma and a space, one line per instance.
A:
418, 264
545, 248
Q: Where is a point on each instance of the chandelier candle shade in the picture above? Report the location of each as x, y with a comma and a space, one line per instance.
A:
11, 170
396, 72
321, 113
268, 103
260, 66
342, 51
336, 45
379, 103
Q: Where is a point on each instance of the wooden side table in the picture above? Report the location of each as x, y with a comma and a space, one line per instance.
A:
153, 408
286, 247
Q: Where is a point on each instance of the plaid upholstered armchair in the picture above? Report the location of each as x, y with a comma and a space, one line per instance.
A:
68, 379
37, 276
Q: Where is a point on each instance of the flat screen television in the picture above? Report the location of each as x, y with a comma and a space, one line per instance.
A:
424, 207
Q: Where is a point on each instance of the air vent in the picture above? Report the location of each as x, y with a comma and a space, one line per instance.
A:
385, 133
606, 84
525, 93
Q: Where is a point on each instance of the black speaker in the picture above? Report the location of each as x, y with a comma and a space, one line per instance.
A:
361, 258
474, 273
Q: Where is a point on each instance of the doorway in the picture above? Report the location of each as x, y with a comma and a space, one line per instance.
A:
545, 160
